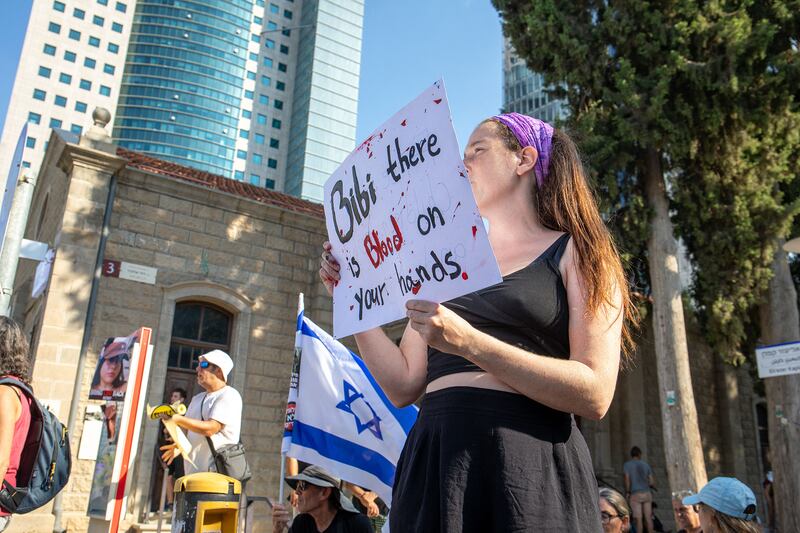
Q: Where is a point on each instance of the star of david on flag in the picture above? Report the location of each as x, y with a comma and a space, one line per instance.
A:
339, 418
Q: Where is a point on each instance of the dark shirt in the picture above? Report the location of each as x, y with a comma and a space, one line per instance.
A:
343, 522
528, 309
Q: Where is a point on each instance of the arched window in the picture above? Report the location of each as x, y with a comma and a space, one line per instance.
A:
198, 327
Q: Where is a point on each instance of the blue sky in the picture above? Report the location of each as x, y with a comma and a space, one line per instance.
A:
407, 45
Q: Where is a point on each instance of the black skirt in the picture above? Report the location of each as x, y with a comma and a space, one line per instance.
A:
482, 461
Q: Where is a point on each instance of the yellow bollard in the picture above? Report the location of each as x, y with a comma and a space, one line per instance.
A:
206, 502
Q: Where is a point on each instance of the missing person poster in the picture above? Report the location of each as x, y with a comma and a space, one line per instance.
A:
110, 380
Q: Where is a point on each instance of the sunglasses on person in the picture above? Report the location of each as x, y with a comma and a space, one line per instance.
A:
205, 365
301, 486
606, 517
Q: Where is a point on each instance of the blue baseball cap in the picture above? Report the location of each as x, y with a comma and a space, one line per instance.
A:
727, 495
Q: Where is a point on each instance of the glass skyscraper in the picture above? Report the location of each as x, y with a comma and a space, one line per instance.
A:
255, 90
325, 98
183, 85
524, 91
260, 91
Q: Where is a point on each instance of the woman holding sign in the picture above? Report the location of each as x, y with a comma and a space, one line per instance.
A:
495, 447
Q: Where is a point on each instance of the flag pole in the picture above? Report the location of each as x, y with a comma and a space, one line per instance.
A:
294, 382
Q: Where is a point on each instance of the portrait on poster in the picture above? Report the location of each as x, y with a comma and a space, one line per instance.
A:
110, 380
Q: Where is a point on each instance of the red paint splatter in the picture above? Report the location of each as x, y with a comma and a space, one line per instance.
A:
461, 174
437, 101
402, 194
367, 142
474, 231
351, 307
464, 276
403, 123
416, 287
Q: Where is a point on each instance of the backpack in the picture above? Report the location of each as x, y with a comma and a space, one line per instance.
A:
45, 463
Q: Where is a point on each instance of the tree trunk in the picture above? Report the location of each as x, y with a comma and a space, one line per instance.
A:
682, 446
780, 323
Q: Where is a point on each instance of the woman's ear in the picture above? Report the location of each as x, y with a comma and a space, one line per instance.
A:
527, 159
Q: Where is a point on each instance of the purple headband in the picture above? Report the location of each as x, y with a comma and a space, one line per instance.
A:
531, 131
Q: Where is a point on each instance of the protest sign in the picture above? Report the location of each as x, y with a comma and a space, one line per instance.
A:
402, 220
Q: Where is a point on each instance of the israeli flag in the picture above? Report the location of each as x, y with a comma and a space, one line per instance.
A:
337, 416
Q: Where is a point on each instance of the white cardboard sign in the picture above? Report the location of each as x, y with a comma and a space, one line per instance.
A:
402, 220
778, 360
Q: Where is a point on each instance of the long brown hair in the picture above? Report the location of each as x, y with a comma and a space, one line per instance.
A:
14, 350
565, 202
730, 524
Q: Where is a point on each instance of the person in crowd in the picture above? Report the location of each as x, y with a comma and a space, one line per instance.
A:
15, 406
769, 498
109, 376
615, 515
638, 482
321, 504
175, 469
686, 517
215, 413
503, 369
726, 505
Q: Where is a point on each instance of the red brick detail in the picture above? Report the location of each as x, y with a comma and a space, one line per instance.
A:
212, 181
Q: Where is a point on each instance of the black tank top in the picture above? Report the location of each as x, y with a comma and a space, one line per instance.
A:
528, 309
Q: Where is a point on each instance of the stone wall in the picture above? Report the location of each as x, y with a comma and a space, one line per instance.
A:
248, 257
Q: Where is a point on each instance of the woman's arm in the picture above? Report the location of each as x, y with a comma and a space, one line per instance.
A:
584, 384
10, 409
400, 371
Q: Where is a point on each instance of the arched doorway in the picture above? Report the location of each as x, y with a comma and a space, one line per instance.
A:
197, 328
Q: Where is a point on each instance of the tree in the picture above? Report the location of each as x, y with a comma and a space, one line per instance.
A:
618, 68
717, 102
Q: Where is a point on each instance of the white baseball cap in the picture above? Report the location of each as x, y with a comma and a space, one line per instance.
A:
221, 359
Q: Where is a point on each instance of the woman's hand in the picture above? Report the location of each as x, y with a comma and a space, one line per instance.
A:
329, 268
440, 327
280, 518
367, 499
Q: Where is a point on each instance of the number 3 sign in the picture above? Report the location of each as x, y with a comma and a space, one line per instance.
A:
111, 268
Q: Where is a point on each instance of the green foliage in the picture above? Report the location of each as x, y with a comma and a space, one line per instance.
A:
712, 87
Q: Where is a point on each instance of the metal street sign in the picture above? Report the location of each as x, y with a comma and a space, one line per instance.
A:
11, 183
778, 360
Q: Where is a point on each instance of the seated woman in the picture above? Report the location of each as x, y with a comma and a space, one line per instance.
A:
615, 515
726, 505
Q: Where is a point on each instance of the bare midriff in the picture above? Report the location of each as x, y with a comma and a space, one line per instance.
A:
479, 380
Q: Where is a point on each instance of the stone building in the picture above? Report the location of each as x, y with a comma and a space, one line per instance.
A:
230, 260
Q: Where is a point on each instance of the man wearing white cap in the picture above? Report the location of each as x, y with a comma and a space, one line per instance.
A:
215, 413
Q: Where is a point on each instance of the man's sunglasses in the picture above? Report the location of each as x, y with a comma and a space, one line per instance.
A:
205, 364
302, 486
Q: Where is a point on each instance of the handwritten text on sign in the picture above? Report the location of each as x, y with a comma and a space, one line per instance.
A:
402, 220
778, 360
